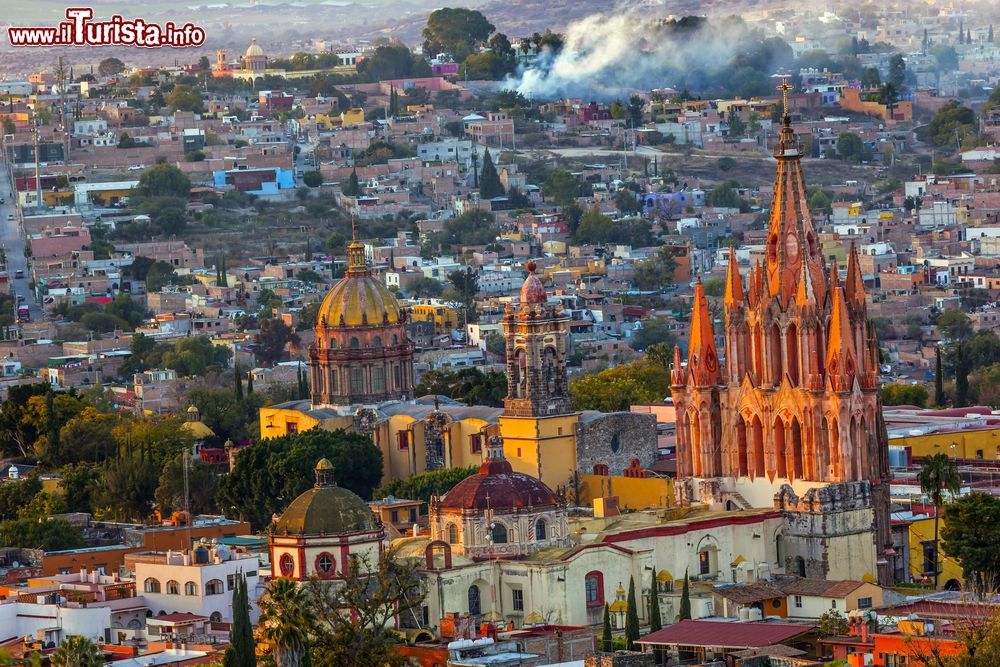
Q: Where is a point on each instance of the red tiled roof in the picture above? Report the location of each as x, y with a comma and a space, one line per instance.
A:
726, 635
821, 587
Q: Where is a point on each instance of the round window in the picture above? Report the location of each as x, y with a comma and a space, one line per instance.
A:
324, 564
287, 564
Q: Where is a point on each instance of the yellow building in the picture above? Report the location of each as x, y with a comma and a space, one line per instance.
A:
542, 435
973, 443
441, 314
921, 536
351, 117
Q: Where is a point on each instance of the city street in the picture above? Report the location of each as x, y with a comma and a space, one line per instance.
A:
13, 242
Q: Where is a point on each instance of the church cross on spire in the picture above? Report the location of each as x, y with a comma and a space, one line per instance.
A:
784, 87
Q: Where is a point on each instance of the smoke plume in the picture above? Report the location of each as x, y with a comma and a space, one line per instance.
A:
607, 56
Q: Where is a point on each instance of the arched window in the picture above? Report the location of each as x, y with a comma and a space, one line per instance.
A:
499, 533
792, 352
214, 587
475, 601
377, 341
216, 617
540, 530
797, 460
741, 447
286, 564
395, 340
781, 467
173, 588
593, 585
151, 585
774, 355
452, 534
757, 433
190, 588
325, 564
354, 344
800, 566
779, 549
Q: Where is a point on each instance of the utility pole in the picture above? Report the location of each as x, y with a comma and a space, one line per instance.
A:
61, 78
38, 173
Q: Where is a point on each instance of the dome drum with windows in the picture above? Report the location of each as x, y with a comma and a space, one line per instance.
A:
361, 354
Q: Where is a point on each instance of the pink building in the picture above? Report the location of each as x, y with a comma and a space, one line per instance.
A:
60, 241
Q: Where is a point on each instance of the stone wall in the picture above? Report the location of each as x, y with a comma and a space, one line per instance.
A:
614, 439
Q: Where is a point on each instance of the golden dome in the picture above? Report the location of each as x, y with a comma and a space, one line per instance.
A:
254, 49
324, 464
358, 299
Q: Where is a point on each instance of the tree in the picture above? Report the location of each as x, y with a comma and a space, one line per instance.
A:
130, 481
202, 486
312, 178
656, 272
241, 651
607, 641
654, 331
182, 97
851, 148
274, 335
562, 186
938, 379
272, 473
110, 67
960, 362
352, 188
238, 382
77, 651
871, 78
737, 128
468, 385
425, 485
631, 618
684, 608
820, 202
17, 494
164, 180
615, 389
950, 125
456, 31
724, 195
376, 593
17, 434
946, 57
954, 324
938, 474
970, 534
286, 616
832, 624
897, 71
80, 484
904, 394
489, 180
125, 141
655, 621
425, 287
465, 282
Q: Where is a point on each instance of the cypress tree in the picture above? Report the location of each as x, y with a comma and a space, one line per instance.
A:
655, 622
489, 181
685, 605
238, 382
968, 36
222, 272
631, 618
241, 634
249, 382
353, 186
989, 35
925, 44
607, 642
938, 380
961, 33
961, 376
52, 428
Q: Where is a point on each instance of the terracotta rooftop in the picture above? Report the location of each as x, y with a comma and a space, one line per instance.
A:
723, 634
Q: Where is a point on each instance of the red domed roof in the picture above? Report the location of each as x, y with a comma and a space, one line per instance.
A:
504, 488
532, 291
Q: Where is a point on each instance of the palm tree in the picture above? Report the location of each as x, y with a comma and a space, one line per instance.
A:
937, 475
77, 651
286, 614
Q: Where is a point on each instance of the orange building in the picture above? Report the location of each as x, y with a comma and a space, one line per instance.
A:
793, 419
852, 100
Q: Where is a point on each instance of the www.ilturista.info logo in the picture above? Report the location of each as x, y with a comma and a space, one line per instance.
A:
79, 30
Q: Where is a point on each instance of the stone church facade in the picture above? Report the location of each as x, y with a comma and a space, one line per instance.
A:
792, 420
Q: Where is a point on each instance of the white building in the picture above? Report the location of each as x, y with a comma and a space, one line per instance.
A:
197, 582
